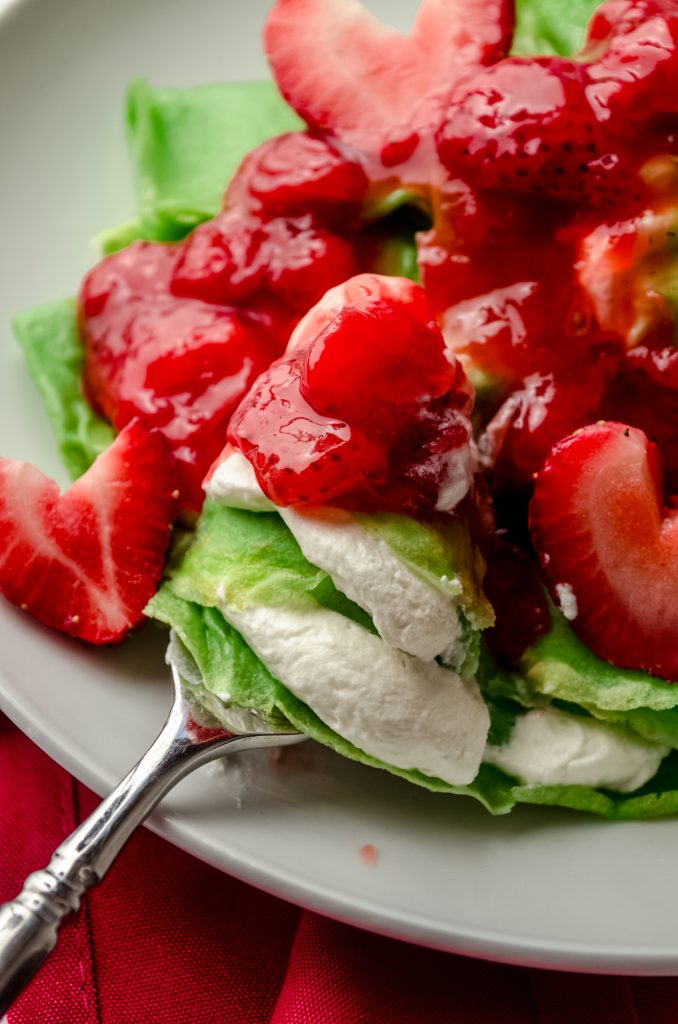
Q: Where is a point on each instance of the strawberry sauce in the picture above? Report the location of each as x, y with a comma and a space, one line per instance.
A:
549, 190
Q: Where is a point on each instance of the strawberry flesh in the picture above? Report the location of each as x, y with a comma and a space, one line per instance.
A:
600, 527
87, 561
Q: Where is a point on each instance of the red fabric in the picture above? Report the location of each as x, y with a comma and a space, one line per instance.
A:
167, 940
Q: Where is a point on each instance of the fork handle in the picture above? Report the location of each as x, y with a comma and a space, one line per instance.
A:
30, 923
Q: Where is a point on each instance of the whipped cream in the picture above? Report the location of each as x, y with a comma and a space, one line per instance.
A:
233, 482
405, 712
407, 612
552, 748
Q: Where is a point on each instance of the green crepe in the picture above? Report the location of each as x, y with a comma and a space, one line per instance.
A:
255, 560
561, 669
551, 26
51, 345
186, 145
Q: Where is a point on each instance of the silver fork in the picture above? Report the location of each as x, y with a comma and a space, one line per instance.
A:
29, 924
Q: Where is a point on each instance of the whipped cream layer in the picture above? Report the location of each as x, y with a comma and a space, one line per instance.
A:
552, 748
403, 711
408, 613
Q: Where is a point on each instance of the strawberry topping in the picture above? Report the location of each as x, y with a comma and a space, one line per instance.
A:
180, 364
526, 125
87, 562
609, 547
645, 394
296, 174
236, 258
633, 46
535, 417
315, 437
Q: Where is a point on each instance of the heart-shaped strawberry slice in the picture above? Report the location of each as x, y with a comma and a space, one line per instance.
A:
609, 547
87, 562
348, 73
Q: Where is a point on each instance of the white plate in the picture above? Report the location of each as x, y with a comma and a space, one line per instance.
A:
540, 887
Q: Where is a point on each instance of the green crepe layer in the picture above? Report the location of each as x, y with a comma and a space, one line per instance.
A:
253, 558
186, 145
559, 669
53, 351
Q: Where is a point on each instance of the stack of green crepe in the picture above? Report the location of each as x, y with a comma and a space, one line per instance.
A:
185, 145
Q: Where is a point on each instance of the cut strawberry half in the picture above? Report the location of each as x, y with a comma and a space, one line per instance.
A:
369, 413
609, 547
349, 74
179, 363
87, 562
296, 174
526, 126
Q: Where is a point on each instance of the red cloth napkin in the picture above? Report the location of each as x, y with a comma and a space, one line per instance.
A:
167, 940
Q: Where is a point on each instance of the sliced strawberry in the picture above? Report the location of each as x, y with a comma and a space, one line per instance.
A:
296, 174
87, 562
346, 72
609, 547
525, 125
369, 414
180, 364
645, 394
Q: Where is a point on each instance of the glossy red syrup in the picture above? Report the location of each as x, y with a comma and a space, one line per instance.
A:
534, 173
176, 334
362, 417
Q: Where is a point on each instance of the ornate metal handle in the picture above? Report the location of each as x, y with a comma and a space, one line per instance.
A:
30, 923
